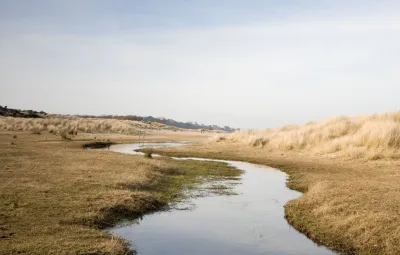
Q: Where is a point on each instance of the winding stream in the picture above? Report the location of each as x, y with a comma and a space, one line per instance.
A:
251, 222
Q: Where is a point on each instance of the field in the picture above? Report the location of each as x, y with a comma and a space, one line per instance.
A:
351, 193
57, 197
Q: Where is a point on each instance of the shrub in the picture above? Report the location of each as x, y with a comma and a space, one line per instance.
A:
36, 132
148, 154
65, 137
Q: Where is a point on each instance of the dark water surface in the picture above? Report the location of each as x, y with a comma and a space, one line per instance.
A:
251, 222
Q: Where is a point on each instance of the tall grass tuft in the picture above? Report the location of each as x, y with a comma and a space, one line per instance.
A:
65, 137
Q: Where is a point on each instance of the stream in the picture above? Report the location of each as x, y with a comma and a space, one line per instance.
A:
249, 222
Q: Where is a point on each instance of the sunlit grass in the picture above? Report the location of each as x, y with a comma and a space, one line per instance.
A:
371, 137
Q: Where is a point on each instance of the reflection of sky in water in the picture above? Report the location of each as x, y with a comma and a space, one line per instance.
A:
249, 223
130, 148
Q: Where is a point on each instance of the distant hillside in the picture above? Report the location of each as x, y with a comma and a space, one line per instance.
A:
187, 125
5, 111
169, 122
38, 122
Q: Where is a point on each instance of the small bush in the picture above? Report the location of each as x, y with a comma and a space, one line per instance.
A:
97, 145
65, 137
148, 154
15, 136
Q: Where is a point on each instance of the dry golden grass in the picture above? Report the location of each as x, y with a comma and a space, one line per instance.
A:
350, 204
152, 135
73, 125
351, 199
368, 137
55, 197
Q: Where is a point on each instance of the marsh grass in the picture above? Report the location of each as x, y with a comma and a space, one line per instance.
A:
369, 137
56, 197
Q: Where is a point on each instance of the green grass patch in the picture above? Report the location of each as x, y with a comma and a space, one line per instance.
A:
189, 174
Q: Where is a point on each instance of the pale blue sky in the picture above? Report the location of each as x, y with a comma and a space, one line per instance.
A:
249, 64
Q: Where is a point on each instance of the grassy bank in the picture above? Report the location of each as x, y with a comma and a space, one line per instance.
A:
366, 137
349, 205
57, 197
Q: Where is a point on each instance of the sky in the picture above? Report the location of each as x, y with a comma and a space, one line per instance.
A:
245, 64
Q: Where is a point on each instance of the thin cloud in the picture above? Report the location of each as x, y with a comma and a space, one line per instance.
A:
252, 75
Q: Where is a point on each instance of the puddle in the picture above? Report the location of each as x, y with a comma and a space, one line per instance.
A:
251, 222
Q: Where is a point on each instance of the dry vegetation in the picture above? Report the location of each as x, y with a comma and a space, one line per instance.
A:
351, 202
348, 169
369, 137
73, 125
55, 197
